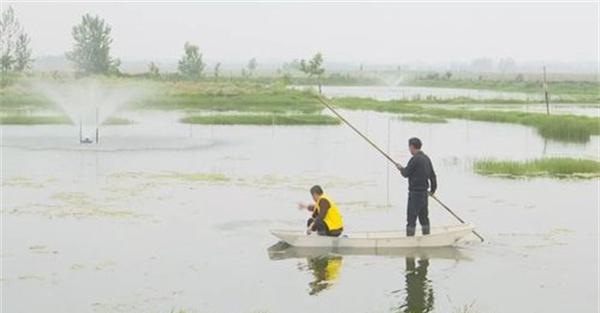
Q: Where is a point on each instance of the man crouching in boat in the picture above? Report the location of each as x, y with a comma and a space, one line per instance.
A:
326, 219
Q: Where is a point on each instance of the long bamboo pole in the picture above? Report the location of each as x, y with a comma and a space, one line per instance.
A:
387, 156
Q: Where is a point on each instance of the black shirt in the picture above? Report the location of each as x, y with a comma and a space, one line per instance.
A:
419, 171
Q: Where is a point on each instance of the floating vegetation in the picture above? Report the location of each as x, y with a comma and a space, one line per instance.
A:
262, 119
76, 204
198, 177
22, 182
554, 167
32, 277
302, 182
195, 177
41, 249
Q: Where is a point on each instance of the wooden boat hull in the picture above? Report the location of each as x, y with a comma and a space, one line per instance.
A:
443, 236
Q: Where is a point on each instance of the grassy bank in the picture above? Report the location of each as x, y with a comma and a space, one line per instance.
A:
424, 119
33, 120
569, 128
567, 91
262, 119
232, 97
557, 167
19, 99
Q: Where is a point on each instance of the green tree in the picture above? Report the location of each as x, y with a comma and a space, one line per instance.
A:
217, 70
15, 51
91, 51
153, 70
447, 75
23, 58
190, 65
313, 68
252, 65
9, 28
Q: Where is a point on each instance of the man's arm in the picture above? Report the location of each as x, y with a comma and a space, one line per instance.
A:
323, 208
432, 179
409, 169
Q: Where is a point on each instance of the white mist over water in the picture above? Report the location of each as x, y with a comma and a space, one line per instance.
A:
89, 102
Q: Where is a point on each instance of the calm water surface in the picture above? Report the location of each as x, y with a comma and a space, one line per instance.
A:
162, 216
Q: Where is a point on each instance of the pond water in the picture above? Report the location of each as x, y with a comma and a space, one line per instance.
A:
161, 216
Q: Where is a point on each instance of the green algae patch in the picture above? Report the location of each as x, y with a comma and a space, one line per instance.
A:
182, 176
196, 177
78, 204
23, 182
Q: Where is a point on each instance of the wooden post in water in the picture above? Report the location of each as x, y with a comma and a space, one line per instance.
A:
546, 93
97, 134
388, 166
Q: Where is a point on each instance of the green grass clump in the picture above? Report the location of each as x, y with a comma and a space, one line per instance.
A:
567, 91
33, 120
557, 167
424, 119
13, 98
113, 120
568, 128
262, 119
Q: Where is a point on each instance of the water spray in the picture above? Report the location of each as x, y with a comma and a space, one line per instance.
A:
81, 98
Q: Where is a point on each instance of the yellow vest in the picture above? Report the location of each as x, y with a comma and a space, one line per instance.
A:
333, 219
332, 270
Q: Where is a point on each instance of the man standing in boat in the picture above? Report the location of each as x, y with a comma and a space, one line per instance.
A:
326, 219
420, 174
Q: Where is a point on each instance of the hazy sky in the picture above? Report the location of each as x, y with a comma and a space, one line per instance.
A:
350, 32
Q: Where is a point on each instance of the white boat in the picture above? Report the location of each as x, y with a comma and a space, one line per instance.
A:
283, 251
441, 236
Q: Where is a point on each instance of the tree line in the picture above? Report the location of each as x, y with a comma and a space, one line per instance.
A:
15, 49
91, 52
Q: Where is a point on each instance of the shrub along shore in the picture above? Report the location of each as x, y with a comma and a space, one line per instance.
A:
262, 119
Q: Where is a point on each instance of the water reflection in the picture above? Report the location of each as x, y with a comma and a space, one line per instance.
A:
325, 270
418, 290
325, 265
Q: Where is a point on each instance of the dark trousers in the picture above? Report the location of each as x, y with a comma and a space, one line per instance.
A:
417, 208
322, 229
